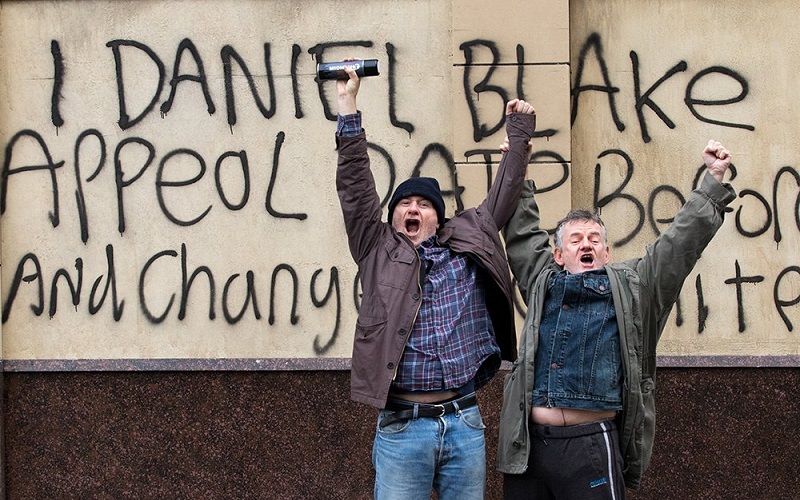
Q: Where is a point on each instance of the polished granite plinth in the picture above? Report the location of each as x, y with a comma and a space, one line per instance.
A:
730, 433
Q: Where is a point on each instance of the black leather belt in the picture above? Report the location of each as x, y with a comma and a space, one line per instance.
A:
405, 410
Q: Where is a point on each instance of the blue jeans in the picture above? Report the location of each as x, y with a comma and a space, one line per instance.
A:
412, 457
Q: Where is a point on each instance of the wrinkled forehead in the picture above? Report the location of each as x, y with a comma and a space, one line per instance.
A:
584, 226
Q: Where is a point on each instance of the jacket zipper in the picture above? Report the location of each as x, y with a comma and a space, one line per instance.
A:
630, 413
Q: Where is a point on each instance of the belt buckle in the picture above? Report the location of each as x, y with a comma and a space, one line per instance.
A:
442, 408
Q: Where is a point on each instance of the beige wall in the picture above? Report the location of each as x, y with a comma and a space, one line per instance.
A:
735, 51
279, 218
423, 113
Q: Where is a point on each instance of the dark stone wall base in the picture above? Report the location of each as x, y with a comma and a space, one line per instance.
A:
722, 433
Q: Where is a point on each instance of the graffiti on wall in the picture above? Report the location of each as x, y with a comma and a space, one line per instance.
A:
120, 174
53, 285
774, 214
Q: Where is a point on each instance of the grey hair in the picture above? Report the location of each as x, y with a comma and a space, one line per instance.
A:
578, 216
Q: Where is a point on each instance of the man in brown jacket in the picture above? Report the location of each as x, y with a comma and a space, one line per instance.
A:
436, 316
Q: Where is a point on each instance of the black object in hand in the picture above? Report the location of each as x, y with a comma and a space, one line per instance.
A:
335, 70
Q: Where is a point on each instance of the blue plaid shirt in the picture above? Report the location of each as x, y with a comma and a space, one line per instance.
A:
452, 335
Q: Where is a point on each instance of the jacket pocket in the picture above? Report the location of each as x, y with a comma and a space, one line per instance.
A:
597, 286
513, 445
395, 269
372, 317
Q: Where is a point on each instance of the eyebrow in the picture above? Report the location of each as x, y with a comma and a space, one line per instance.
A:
581, 233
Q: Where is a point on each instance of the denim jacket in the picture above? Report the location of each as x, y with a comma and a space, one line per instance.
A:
578, 360
644, 291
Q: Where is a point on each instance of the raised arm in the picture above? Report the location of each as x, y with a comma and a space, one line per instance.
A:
673, 255
527, 244
355, 184
507, 185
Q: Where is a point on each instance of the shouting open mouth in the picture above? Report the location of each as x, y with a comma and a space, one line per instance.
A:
412, 227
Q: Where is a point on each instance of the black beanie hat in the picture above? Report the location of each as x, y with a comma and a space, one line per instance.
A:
427, 187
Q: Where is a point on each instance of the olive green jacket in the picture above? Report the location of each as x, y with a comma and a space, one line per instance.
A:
644, 290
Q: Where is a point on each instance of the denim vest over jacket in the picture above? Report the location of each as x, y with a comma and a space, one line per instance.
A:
578, 359
644, 291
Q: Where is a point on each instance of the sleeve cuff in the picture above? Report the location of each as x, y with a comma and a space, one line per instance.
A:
348, 125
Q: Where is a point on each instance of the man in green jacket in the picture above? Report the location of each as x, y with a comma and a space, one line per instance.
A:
578, 414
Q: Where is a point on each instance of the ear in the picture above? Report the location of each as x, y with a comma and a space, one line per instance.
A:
608, 255
558, 256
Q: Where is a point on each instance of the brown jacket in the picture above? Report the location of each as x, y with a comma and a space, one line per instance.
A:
388, 263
